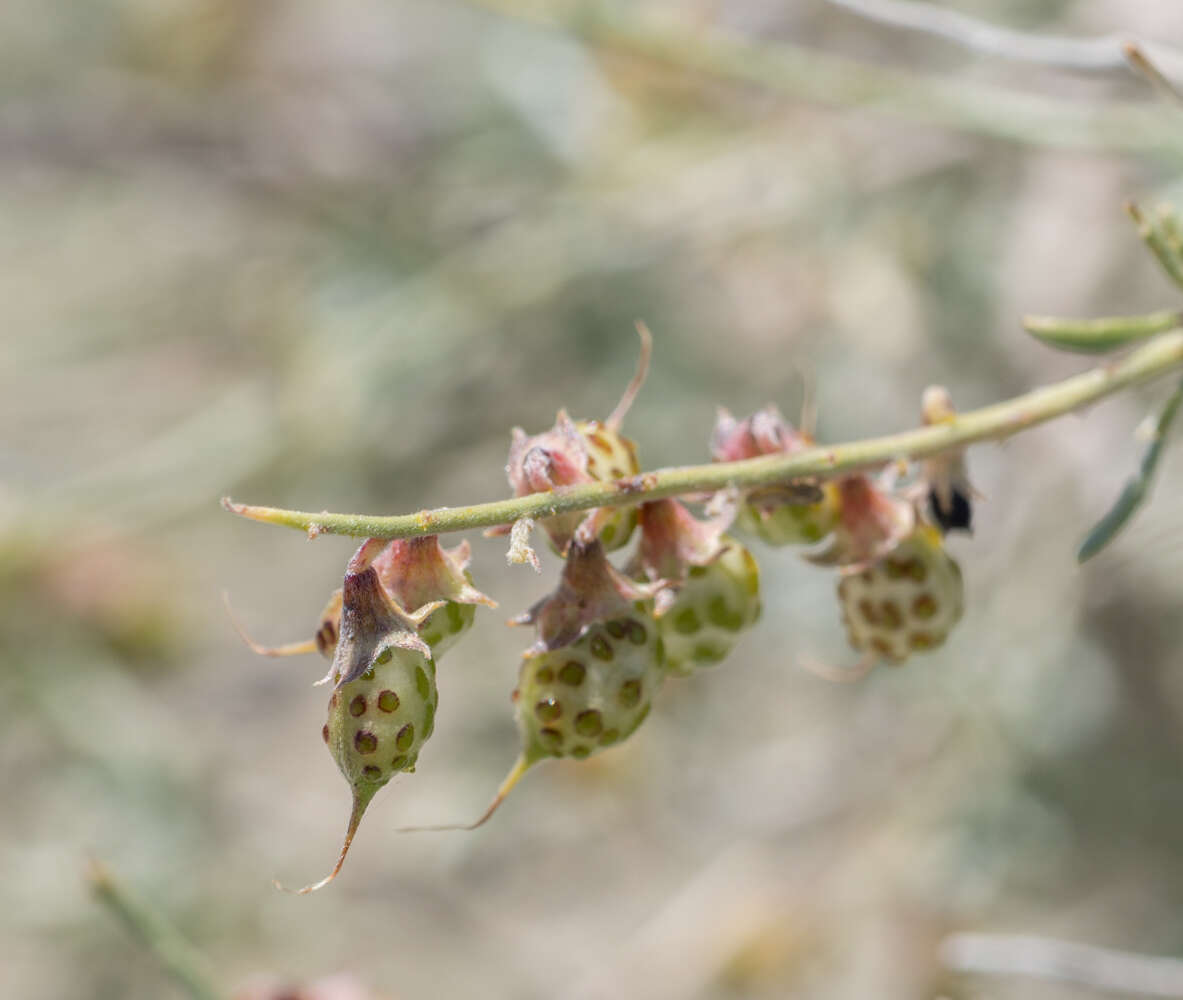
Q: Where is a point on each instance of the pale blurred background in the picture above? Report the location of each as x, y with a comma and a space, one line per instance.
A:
327, 255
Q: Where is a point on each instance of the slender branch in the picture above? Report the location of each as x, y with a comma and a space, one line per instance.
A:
990, 423
1106, 52
806, 74
175, 955
1063, 961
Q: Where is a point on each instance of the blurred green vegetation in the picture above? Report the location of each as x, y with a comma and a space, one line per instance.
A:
326, 256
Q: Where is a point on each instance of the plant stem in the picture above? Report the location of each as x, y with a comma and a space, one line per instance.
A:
991, 423
175, 955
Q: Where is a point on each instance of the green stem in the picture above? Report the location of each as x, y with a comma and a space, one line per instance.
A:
805, 74
175, 955
991, 423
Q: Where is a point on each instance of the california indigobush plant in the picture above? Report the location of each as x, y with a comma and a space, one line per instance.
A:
876, 514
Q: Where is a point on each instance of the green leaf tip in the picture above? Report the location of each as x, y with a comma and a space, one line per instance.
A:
1105, 333
1136, 489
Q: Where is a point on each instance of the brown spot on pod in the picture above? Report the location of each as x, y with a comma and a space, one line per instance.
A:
324, 732
388, 701
637, 634
364, 741
922, 640
357, 706
629, 695
589, 723
601, 648
924, 607
548, 710
572, 673
405, 737
372, 772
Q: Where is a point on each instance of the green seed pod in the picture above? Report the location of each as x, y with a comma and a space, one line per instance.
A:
576, 700
906, 602
776, 522
589, 680
716, 603
383, 705
710, 584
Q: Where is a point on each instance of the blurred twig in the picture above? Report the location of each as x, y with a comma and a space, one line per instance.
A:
1105, 52
805, 74
1148, 62
175, 955
1063, 961
989, 423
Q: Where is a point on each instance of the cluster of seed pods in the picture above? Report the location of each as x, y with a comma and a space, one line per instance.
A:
608, 638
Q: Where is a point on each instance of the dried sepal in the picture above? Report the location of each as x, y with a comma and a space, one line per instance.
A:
765, 432
590, 590
871, 523
577, 452
946, 480
521, 552
419, 571
371, 619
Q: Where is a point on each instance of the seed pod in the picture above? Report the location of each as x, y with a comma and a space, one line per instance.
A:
798, 513
578, 699
583, 451
906, 602
383, 705
710, 584
588, 681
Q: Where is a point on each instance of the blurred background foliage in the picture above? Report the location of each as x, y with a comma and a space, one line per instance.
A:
326, 255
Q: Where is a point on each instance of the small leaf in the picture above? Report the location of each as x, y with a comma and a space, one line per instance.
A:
1161, 235
1137, 488
1096, 336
